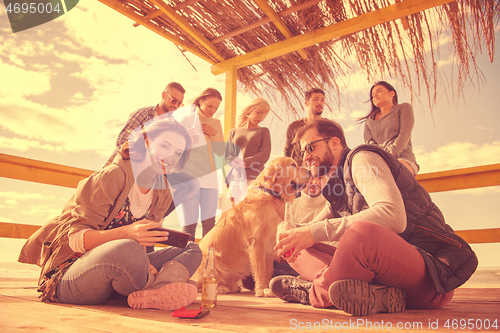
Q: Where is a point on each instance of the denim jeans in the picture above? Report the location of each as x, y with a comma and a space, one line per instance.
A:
121, 265
205, 203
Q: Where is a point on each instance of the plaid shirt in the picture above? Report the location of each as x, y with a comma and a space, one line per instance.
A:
135, 120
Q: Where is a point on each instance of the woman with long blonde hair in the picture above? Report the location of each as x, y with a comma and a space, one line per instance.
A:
249, 147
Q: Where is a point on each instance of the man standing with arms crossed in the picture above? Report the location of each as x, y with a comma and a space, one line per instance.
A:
314, 101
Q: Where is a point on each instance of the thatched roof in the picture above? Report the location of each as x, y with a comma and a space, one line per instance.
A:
369, 36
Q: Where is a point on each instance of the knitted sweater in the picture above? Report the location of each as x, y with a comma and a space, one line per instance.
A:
392, 132
255, 146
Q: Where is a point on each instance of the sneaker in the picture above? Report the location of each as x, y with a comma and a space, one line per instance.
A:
169, 297
291, 289
361, 298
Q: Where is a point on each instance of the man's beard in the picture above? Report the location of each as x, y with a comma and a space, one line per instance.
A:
325, 164
318, 111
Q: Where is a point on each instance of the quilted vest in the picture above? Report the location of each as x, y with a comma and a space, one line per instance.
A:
449, 259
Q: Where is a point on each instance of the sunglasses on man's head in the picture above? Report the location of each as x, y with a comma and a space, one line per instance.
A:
309, 148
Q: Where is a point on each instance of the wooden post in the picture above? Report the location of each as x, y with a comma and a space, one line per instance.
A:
230, 101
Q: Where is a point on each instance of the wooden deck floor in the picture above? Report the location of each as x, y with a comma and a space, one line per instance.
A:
21, 311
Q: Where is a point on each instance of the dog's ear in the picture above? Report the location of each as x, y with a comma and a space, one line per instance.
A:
266, 177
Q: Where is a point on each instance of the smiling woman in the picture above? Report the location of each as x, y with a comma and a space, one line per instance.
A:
389, 124
113, 212
203, 164
160, 147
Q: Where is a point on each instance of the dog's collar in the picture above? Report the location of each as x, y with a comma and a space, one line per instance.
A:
268, 191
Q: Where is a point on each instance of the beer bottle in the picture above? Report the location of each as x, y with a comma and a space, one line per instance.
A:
209, 286
286, 225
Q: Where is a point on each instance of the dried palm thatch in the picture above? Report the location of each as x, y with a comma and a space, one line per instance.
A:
404, 49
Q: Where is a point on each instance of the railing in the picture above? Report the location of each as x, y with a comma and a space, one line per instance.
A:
55, 174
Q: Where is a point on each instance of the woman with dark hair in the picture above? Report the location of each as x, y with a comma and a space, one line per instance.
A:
208, 144
97, 245
389, 124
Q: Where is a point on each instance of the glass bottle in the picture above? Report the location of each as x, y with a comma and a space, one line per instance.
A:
285, 225
209, 286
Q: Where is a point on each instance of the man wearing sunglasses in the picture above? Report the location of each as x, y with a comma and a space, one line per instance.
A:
394, 249
171, 99
314, 101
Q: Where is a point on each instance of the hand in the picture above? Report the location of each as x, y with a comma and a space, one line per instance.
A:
140, 232
296, 240
279, 205
237, 163
152, 269
208, 130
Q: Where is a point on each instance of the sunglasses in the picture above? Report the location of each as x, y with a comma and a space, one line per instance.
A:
173, 100
309, 148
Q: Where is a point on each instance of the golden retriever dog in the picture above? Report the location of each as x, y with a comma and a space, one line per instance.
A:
245, 235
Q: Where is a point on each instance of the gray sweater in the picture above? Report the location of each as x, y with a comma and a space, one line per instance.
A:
392, 132
255, 146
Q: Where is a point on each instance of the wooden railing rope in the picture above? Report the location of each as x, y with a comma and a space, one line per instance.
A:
21, 168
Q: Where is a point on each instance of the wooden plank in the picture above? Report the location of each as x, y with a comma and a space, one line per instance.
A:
41, 172
187, 27
479, 236
155, 13
131, 14
278, 22
459, 179
475, 236
16, 230
230, 101
24, 231
404, 20
347, 27
241, 312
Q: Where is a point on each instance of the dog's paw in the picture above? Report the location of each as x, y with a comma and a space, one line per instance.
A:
223, 290
263, 293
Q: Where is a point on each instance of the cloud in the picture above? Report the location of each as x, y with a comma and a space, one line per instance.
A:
457, 155
19, 196
17, 82
35, 121
45, 210
20, 144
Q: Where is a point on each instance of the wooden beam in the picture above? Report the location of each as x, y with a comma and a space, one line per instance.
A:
279, 23
475, 177
16, 230
475, 236
187, 27
479, 236
404, 20
151, 15
333, 31
265, 20
230, 101
41, 172
155, 13
130, 13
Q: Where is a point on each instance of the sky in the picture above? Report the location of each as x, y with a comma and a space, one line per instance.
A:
68, 86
